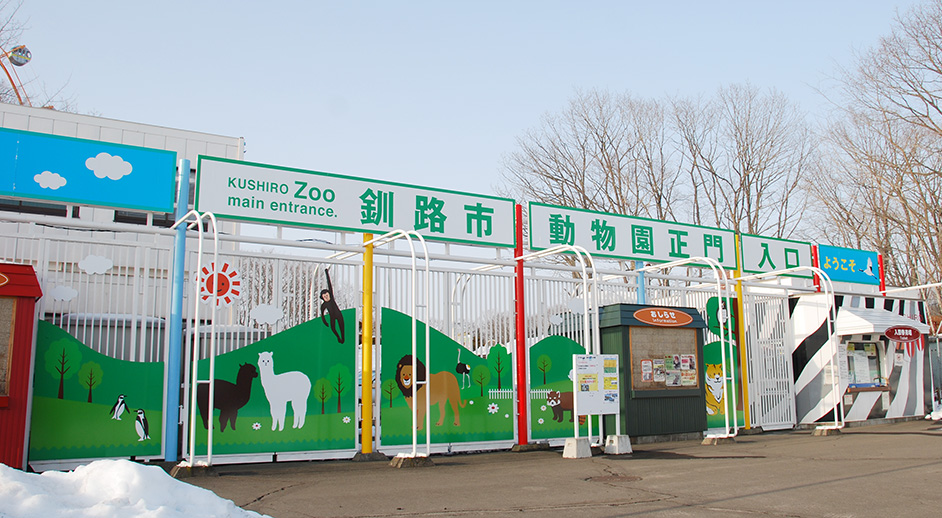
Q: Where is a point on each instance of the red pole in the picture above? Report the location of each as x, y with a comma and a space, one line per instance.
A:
815, 262
523, 428
882, 278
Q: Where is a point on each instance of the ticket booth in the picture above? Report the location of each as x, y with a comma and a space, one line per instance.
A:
661, 360
19, 290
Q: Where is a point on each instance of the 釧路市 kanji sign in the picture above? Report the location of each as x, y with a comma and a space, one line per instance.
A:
262, 193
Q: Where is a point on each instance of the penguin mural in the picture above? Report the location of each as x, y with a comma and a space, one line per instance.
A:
143, 431
119, 407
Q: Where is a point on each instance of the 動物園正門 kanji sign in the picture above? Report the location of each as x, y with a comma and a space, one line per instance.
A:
628, 237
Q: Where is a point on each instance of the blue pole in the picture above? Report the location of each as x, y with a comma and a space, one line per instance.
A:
175, 349
642, 299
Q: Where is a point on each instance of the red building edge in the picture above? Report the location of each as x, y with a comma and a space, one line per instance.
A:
18, 282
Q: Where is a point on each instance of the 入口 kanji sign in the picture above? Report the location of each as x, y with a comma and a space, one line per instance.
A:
767, 254
268, 194
628, 237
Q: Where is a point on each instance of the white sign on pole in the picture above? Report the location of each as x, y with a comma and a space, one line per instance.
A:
628, 237
268, 194
596, 383
767, 254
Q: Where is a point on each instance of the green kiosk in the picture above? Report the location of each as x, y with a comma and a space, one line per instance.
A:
660, 353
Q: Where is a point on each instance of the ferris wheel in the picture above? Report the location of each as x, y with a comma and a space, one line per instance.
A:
17, 57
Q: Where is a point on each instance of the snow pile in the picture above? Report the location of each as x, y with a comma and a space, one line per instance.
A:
108, 488
935, 416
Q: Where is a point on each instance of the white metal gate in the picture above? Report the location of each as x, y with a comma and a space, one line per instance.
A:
769, 362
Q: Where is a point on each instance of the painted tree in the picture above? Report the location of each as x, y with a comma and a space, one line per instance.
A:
544, 364
390, 388
90, 376
499, 361
340, 380
62, 360
482, 376
322, 392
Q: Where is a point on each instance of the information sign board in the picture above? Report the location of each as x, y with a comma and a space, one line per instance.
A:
596, 383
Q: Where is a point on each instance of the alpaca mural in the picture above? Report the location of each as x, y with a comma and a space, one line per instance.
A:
228, 397
330, 426
280, 389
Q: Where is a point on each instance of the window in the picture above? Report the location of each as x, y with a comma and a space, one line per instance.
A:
865, 362
7, 313
157, 219
140, 218
34, 207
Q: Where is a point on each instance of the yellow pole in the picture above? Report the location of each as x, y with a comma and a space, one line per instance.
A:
741, 330
366, 440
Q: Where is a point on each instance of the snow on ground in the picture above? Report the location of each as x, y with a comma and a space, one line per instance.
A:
108, 488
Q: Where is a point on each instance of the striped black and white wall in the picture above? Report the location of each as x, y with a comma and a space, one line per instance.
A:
813, 358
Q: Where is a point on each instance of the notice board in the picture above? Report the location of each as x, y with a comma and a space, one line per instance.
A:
663, 358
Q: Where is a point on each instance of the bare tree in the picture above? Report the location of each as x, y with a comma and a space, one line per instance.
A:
746, 154
605, 153
11, 30
887, 137
32, 91
743, 155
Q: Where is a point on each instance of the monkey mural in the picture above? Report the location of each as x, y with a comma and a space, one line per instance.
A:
329, 306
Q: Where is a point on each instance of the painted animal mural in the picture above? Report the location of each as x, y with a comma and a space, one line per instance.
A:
280, 389
443, 387
715, 389
228, 397
560, 402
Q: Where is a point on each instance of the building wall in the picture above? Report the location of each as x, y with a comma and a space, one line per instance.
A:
812, 360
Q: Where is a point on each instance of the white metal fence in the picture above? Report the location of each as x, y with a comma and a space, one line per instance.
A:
769, 362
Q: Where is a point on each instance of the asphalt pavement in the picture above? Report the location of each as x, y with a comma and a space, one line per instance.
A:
881, 470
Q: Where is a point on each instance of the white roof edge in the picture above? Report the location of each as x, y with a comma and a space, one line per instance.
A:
117, 123
864, 321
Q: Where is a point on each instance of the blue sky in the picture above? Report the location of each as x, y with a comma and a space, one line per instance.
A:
428, 93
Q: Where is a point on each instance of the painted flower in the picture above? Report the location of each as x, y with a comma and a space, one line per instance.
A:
543, 408
256, 426
346, 419
507, 416
540, 420
493, 408
470, 401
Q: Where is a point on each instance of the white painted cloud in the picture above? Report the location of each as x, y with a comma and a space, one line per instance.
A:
107, 166
555, 320
267, 314
63, 293
49, 180
95, 264
576, 305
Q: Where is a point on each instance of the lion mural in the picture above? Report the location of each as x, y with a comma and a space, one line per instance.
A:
443, 386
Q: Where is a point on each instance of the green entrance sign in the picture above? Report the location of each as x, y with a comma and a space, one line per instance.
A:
268, 194
767, 254
628, 237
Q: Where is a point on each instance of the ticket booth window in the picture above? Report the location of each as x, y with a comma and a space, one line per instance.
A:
7, 307
865, 362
